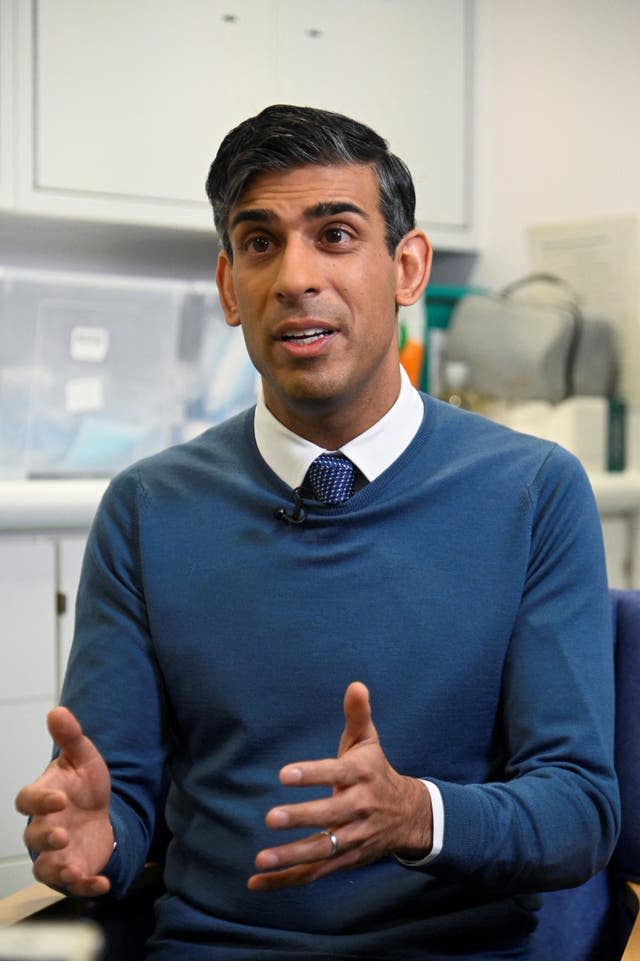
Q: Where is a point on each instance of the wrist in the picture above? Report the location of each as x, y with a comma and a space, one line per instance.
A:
106, 845
417, 829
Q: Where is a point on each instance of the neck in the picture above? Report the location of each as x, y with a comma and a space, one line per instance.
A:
328, 425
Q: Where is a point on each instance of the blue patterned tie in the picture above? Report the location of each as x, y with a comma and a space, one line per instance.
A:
331, 477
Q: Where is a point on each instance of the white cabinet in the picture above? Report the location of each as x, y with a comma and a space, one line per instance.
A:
123, 103
70, 555
27, 618
25, 749
7, 47
129, 98
27, 683
34, 572
399, 67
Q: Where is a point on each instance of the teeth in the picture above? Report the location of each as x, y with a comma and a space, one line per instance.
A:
308, 336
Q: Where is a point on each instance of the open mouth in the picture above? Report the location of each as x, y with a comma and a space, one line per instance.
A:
308, 336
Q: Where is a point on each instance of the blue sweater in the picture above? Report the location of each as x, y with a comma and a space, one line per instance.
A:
465, 586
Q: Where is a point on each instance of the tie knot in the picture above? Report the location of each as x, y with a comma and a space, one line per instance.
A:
331, 477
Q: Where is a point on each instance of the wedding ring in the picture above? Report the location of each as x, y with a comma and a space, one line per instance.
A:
334, 841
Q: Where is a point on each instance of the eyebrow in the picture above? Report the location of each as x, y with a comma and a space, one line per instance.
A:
326, 208
333, 208
253, 216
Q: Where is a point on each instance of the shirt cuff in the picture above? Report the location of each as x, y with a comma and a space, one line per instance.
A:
437, 814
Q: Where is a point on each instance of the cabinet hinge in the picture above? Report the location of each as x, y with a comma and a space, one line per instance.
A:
61, 602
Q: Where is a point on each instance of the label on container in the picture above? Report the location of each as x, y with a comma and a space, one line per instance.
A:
83, 394
89, 344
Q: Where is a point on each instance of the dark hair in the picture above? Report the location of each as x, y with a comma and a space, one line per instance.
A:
283, 137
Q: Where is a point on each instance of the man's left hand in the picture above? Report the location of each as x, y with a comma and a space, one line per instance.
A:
372, 811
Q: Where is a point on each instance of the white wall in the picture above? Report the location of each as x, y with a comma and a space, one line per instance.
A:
558, 132
559, 120
558, 137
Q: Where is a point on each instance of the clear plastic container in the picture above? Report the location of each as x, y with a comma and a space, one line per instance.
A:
98, 371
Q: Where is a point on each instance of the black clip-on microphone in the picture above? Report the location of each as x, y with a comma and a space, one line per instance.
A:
297, 515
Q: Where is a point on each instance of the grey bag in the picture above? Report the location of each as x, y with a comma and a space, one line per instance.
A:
595, 364
516, 348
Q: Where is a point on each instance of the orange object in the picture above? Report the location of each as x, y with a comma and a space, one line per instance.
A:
412, 359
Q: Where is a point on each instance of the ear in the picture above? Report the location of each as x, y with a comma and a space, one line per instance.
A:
226, 290
413, 265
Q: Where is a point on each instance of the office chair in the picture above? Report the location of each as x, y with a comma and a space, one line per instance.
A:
597, 921
594, 922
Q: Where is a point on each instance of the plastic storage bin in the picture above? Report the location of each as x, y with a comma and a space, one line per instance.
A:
96, 372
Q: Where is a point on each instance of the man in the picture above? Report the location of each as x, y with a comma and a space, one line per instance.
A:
451, 587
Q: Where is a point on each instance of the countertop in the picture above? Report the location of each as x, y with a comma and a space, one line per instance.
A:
43, 505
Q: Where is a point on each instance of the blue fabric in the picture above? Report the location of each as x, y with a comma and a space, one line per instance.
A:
465, 586
587, 923
592, 922
626, 859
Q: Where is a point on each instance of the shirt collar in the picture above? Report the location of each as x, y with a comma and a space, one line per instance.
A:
289, 455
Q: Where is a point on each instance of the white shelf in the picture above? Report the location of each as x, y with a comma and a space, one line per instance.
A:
36, 505
616, 492
40, 505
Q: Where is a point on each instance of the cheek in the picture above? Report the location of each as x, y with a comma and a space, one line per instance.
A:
254, 348
373, 294
251, 314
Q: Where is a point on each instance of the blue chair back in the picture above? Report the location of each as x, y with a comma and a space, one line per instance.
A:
592, 922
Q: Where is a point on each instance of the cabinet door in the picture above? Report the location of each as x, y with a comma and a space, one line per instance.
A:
399, 67
123, 103
70, 555
6, 103
25, 750
27, 679
27, 618
131, 98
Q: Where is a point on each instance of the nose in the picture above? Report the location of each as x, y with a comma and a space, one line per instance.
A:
299, 271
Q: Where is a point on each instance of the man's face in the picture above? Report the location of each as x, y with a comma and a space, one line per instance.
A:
314, 287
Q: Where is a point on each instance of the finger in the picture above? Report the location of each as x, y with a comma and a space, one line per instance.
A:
93, 887
330, 772
338, 808
318, 847
70, 878
34, 800
349, 800
359, 725
301, 874
67, 733
80, 884
39, 837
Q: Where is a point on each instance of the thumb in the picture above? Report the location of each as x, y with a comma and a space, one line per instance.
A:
65, 729
358, 724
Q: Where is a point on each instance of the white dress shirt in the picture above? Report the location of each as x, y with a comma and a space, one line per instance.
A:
290, 456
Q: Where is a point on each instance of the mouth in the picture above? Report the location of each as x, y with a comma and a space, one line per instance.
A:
310, 336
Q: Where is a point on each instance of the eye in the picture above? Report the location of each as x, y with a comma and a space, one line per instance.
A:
336, 236
257, 244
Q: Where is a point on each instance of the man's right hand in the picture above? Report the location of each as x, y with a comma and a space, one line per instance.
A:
68, 804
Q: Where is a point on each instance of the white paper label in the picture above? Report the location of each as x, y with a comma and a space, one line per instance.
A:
89, 344
83, 394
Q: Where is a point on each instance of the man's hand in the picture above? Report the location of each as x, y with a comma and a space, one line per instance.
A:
68, 805
372, 810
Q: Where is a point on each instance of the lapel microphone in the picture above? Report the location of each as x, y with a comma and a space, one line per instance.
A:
297, 515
